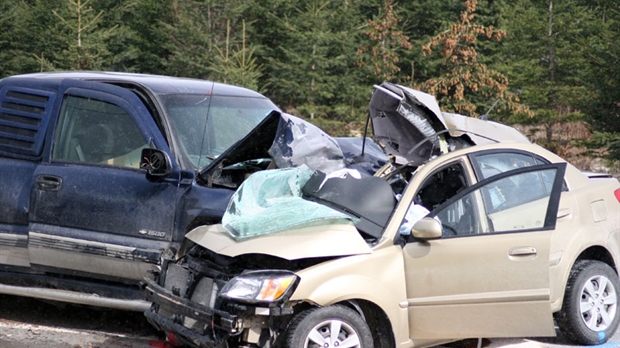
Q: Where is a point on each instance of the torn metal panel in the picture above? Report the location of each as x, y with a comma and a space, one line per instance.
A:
411, 126
363, 155
299, 142
482, 131
402, 118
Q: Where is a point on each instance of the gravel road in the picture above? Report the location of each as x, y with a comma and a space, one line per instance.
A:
29, 323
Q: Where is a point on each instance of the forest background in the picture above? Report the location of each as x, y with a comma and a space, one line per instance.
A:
550, 67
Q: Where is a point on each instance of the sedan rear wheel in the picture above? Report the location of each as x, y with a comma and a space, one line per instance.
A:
589, 313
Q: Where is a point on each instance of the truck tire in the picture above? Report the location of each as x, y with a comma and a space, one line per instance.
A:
313, 329
589, 312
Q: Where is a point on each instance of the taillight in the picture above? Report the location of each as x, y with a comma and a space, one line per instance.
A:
617, 194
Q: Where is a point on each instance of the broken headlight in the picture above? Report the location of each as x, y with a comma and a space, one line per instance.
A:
261, 286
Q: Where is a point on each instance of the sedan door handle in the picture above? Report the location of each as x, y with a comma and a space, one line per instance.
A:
522, 251
48, 182
564, 212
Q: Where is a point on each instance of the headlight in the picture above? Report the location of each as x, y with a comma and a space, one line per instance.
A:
260, 286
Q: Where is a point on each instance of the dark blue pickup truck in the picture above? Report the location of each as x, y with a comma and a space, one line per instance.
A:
103, 173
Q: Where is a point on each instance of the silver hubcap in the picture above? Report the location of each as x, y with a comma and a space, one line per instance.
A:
332, 333
598, 303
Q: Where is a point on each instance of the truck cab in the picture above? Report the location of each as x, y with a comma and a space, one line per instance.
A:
81, 208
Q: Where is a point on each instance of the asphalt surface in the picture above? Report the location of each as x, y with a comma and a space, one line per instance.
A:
30, 323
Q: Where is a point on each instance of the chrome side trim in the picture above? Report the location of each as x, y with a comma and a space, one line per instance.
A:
67, 244
9, 239
488, 297
14, 249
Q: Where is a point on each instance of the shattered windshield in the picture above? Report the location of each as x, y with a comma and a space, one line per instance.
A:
206, 125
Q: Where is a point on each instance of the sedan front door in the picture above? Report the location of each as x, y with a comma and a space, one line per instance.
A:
488, 275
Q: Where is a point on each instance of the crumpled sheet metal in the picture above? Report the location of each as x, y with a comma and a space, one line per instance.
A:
370, 162
406, 122
299, 142
271, 201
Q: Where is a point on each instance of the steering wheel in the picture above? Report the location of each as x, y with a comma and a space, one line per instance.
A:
451, 229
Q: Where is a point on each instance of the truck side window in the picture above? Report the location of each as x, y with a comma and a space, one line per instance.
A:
97, 132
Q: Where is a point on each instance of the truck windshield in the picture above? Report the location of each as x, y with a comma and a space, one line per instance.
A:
207, 125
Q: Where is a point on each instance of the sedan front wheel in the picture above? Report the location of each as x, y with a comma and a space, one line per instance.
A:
334, 326
589, 313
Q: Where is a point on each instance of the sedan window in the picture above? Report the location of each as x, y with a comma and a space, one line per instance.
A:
489, 164
437, 189
514, 203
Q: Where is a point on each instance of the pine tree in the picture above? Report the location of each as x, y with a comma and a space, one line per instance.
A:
384, 45
545, 58
31, 42
602, 105
465, 77
237, 65
85, 40
311, 69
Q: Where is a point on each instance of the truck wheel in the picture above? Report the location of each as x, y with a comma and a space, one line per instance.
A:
332, 326
589, 313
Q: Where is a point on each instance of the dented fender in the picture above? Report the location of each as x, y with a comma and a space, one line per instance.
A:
376, 278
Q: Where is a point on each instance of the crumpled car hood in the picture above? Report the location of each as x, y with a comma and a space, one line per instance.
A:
402, 118
291, 142
412, 127
322, 240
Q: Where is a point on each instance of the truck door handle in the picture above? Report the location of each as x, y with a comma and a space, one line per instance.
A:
48, 182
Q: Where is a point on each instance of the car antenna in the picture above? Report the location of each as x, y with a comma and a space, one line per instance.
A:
365, 132
485, 116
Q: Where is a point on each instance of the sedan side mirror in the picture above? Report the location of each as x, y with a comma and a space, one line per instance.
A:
156, 162
427, 228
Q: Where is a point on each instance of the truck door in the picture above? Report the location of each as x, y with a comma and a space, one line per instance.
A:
95, 213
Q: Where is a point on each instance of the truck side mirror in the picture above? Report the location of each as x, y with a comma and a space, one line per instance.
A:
427, 228
156, 162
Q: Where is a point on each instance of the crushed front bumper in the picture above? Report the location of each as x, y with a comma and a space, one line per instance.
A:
194, 323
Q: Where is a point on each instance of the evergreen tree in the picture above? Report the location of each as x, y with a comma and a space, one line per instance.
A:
602, 103
237, 65
85, 42
311, 70
465, 76
32, 42
384, 45
545, 59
